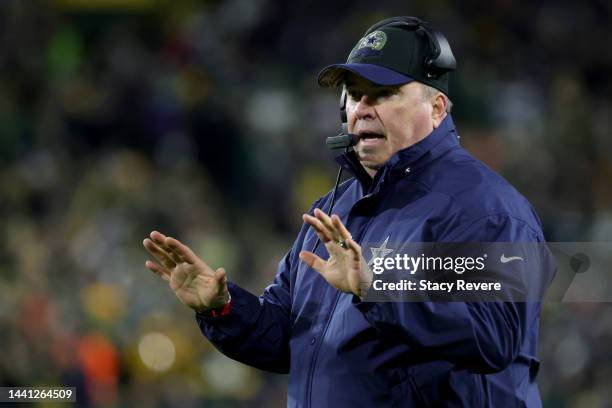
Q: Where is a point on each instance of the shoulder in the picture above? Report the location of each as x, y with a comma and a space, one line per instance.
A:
477, 194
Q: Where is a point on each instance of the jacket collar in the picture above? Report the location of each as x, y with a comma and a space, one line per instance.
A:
440, 140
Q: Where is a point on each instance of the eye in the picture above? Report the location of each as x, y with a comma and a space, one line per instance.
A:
386, 92
355, 95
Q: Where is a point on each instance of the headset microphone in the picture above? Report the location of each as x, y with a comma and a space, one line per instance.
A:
344, 140
341, 141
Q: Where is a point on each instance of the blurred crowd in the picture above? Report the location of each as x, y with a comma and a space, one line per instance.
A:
203, 120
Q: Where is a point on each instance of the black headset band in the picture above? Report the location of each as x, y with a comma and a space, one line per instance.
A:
407, 22
441, 58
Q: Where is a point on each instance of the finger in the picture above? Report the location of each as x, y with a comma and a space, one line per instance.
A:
327, 223
220, 274
160, 240
314, 261
355, 249
160, 254
157, 236
159, 270
182, 251
317, 225
221, 277
344, 233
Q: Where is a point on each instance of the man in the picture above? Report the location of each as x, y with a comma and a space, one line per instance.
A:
412, 183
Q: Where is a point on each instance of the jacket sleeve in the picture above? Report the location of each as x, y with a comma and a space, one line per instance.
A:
483, 336
256, 330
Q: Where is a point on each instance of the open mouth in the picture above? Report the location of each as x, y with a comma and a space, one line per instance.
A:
370, 135
368, 138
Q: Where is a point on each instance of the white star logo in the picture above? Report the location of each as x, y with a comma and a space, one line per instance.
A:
380, 252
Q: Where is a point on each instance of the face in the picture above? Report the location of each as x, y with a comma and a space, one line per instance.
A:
386, 119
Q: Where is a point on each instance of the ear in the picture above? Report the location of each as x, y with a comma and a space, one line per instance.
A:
438, 112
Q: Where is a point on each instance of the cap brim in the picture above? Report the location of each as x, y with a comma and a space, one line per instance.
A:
334, 75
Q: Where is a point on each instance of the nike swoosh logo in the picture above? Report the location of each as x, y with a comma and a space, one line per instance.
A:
503, 259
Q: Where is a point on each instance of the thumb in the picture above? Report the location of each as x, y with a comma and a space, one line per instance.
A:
221, 276
312, 260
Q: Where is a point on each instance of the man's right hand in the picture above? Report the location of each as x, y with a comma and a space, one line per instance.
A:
195, 283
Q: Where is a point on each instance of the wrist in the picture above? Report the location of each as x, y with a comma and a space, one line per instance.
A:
366, 283
363, 290
217, 310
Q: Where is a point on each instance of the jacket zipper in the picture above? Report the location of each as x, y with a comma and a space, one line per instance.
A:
318, 346
316, 353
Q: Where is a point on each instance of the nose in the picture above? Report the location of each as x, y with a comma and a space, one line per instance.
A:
364, 108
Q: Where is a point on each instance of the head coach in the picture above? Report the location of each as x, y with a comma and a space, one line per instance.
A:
412, 182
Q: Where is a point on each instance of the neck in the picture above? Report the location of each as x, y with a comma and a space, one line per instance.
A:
371, 172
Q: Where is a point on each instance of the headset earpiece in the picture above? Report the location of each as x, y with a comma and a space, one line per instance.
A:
343, 117
443, 60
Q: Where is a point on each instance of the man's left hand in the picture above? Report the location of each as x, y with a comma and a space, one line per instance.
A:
346, 269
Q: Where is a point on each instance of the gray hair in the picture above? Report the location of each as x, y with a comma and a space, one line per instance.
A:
430, 92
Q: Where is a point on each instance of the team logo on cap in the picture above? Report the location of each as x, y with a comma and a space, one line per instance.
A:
375, 40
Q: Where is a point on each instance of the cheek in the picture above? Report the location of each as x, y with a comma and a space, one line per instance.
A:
351, 118
408, 124
398, 122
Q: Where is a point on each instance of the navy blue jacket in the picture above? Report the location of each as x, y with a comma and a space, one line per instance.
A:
341, 352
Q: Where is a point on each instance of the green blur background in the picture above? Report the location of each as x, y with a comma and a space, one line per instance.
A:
202, 119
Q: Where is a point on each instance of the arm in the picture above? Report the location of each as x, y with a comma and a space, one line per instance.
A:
256, 330
253, 330
483, 336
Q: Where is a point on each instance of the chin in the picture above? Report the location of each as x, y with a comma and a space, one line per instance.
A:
371, 161
371, 165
